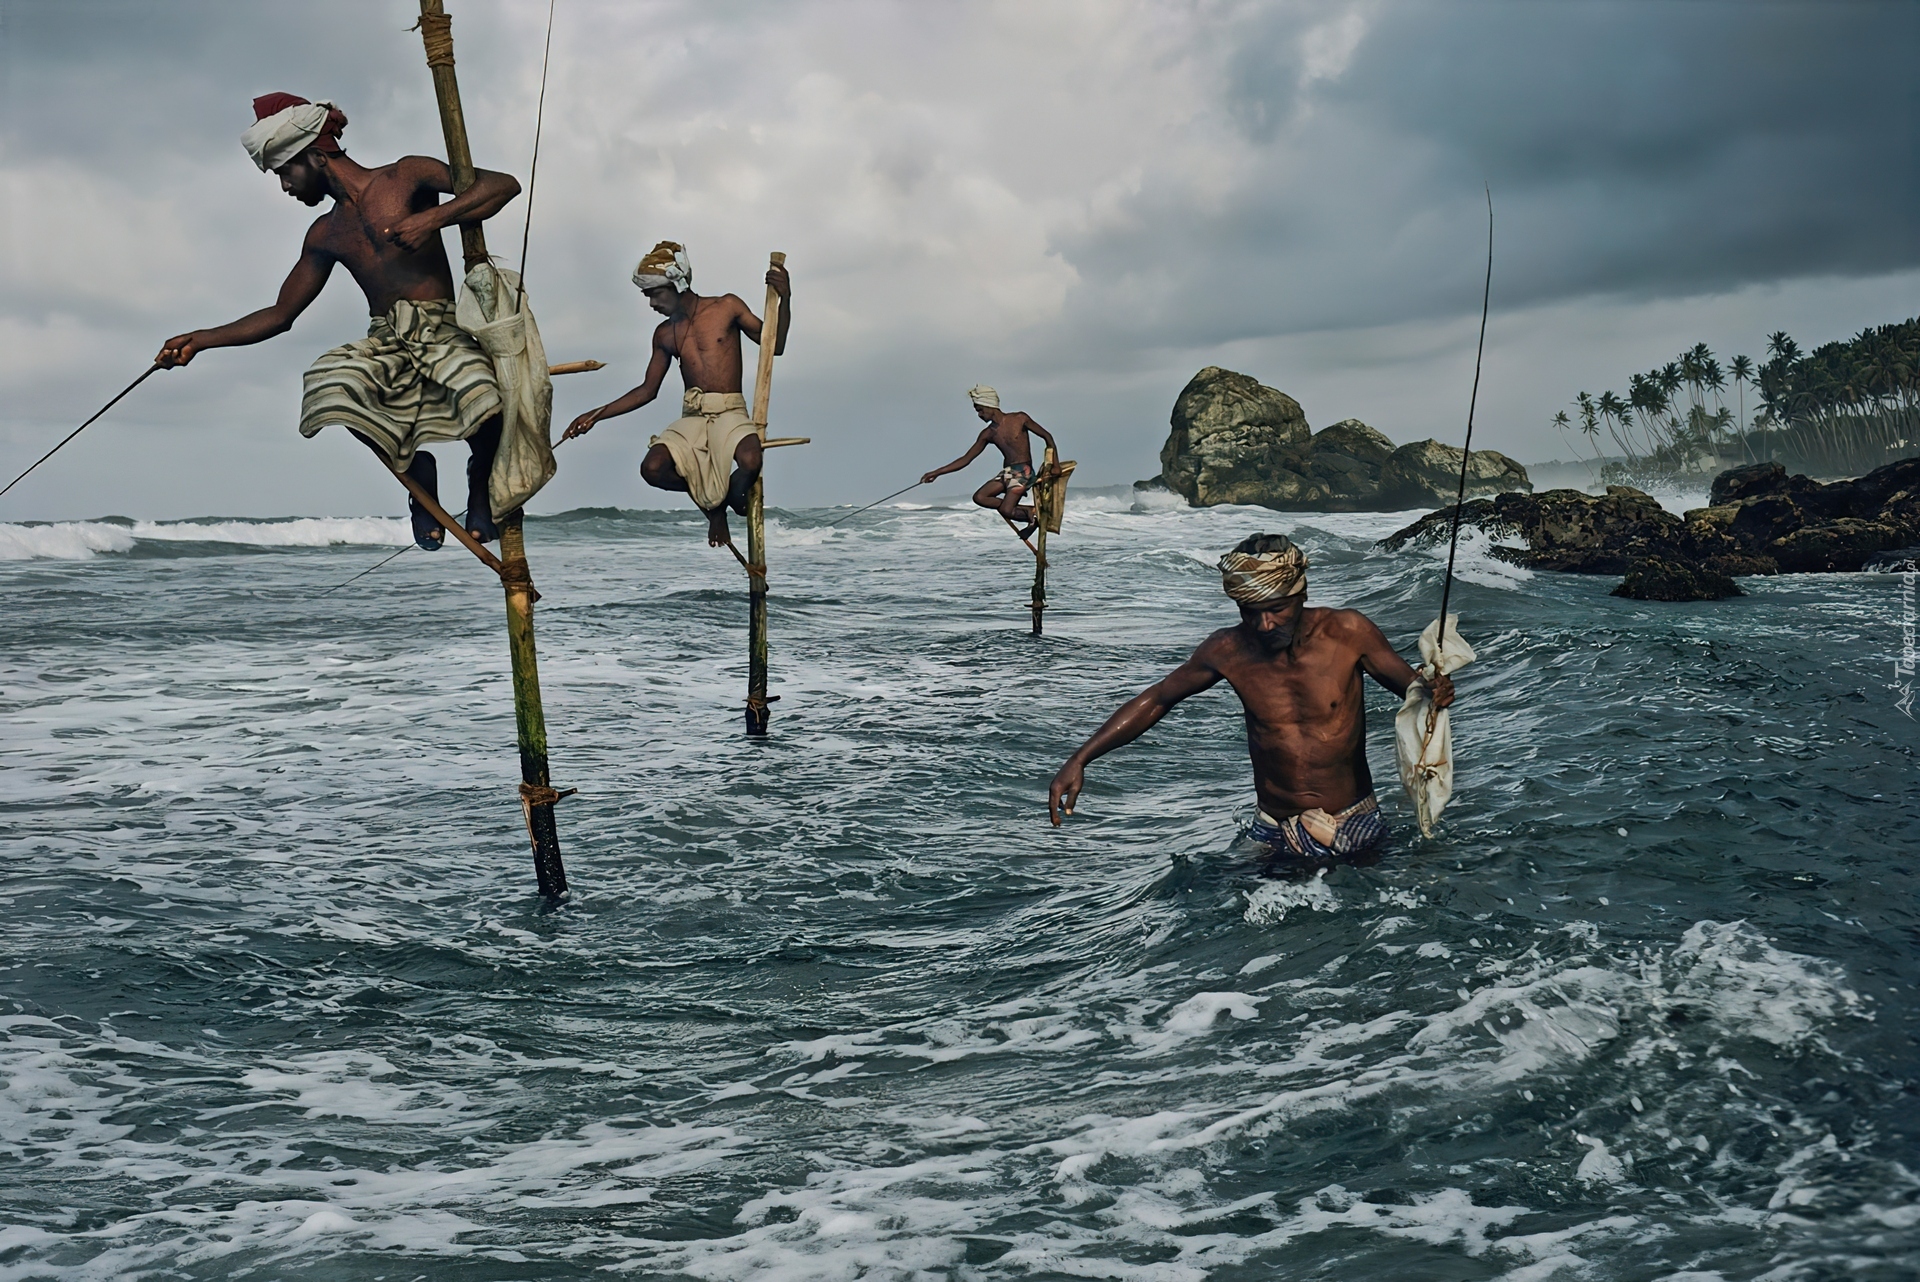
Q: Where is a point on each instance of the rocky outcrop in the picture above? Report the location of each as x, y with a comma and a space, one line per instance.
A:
1427, 472
1656, 580
1234, 440
1759, 521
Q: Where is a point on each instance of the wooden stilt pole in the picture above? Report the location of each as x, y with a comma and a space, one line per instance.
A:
1040, 550
537, 795
758, 711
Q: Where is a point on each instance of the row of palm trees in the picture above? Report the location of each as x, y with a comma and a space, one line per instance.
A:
1844, 408
1672, 418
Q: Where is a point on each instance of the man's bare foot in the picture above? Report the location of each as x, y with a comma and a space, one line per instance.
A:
718, 535
1026, 531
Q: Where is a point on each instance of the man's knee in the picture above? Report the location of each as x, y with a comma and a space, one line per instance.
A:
749, 453
657, 468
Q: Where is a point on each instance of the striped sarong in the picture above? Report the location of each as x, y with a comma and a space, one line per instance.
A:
416, 378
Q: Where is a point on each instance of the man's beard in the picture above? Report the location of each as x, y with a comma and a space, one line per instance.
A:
1276, 640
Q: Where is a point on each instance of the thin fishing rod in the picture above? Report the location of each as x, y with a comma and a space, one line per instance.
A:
1460, 500
876, 503
364, 573
83, 427
533, 171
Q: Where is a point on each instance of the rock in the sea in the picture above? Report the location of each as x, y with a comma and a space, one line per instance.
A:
1657, 580
1234, 440
1345, 460
1761, 521
1427, 472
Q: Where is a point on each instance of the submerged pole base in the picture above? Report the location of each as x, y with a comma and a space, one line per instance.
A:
758, 714
549, 873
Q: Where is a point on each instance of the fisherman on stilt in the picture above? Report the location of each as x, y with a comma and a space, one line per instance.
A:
715, 433
1298, 671
1006, 432
417, 378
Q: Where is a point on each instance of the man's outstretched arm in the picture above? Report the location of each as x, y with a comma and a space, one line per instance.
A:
1379, 660
633, 400
297, 292
979, 443
1135, 717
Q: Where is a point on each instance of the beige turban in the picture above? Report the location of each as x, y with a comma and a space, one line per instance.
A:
984, 395
665, 264
1264, 578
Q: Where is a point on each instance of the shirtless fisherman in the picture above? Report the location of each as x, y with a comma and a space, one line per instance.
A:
1297, 671
693, 453
1008, 434
416, 378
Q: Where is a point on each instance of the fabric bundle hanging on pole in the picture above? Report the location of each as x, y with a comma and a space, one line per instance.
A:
493, 308
1422, 733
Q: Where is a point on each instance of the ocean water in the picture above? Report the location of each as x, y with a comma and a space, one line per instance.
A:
277, 998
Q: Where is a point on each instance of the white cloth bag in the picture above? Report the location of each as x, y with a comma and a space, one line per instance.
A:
1423, 734
493, 309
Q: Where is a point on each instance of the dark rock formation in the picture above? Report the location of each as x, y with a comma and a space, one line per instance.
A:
1428, 472
1761, 521
1237, 441
1656, 580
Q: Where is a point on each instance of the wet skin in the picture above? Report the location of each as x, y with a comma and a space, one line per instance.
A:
1006, 432
1297, 670
703, 334
384, 227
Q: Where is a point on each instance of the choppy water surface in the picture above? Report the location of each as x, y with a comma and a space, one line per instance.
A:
279, 1000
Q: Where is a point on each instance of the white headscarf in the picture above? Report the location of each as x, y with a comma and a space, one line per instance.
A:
278, 138
665, 264
984, 395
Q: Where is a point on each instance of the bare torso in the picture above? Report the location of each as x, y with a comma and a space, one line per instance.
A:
1305, 711
707, 342
354, 233
1009, 436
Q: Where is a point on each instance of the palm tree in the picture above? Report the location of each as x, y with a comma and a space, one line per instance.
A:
1742, 370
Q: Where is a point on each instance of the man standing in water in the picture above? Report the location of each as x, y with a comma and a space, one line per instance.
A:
416, 378
693, 454
1008, 434
1298, 674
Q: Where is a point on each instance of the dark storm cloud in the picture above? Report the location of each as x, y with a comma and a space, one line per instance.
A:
1081, 203
1644, 150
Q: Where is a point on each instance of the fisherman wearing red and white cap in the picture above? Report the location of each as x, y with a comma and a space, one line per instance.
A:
417, 378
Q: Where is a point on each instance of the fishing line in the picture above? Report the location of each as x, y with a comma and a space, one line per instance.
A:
364, 573
533, 170
876, 503
1466, 447
83, 427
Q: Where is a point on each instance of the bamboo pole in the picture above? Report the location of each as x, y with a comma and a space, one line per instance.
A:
537, 795
758, 711
1048, 460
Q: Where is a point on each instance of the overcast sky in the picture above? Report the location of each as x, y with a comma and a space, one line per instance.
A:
1079, 201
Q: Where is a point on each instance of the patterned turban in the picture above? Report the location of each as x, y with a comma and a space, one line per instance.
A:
665, 264
984, 395
1262, 579
285, 125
